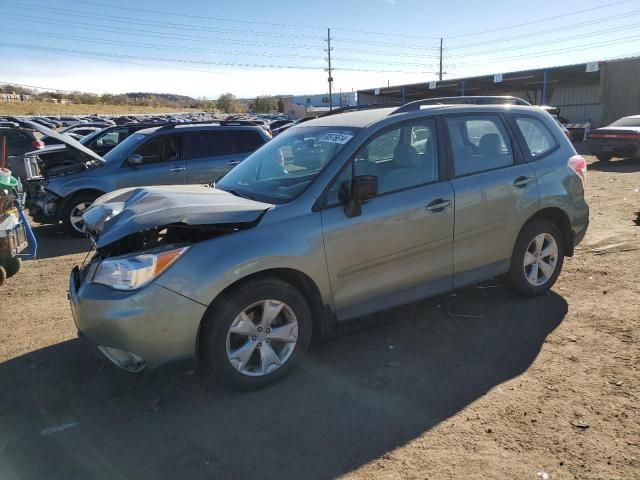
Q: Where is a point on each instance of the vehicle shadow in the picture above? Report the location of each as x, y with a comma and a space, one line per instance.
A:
626, 165
53, 241
65, 414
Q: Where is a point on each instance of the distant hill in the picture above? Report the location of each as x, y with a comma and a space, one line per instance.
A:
161, 97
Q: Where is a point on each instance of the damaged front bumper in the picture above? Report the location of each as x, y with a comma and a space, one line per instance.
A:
136, 330
43, 205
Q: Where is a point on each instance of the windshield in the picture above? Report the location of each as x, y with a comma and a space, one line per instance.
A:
281, 169
118, 152
627, 122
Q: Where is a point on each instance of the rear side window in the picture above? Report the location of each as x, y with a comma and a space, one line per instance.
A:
13, 137
536, 135
245, 141
207, 143
479, 143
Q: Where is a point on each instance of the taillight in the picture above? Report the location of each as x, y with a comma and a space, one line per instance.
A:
37, 144
578, 164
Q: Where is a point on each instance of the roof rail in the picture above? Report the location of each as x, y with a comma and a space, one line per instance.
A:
354, 108
222, 123
464, 100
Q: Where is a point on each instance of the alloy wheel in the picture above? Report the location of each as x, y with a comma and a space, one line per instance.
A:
262, 338
541, 259
75, 217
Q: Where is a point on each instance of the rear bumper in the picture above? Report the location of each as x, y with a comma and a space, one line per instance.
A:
154, 324
618, 149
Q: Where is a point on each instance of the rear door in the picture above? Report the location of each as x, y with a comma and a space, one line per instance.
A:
207, 153
495, 192
244, 143
162, 163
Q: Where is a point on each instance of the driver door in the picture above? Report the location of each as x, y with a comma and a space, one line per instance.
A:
400, 248
162, 164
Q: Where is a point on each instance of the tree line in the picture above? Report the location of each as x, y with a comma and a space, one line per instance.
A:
227, 102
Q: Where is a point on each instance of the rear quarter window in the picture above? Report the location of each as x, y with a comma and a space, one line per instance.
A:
538, 139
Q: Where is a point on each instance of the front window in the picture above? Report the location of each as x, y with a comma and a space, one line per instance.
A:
280, 170
123, 149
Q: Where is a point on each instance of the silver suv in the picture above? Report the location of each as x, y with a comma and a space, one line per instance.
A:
336, 218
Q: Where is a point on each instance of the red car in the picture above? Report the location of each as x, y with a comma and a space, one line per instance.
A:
620, 139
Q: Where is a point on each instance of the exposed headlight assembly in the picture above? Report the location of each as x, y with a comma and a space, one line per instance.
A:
131, 272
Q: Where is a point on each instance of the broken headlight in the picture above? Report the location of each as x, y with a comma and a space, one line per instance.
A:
131, 272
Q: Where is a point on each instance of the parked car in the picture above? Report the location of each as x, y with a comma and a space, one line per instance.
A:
68, 121
336, 218
620, 139
106, 139
63, 183
76, 132
19, 140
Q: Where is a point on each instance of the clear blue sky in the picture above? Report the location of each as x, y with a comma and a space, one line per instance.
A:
247, 47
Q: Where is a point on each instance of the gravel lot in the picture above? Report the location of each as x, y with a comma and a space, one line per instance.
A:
477, 384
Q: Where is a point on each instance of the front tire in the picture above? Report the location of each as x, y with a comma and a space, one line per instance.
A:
537, 258
604, 158
72, 214
256, 334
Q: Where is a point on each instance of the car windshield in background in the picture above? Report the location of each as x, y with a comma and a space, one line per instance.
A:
87, 138
118, 152
280, 170
627, 122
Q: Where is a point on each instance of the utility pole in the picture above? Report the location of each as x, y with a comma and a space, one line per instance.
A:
329, 70
440, 75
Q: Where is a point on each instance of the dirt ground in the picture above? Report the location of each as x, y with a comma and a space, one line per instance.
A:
477, 384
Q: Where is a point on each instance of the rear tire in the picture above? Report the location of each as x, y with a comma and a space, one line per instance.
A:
73, 210
239, 322
604, 158
537, 258
12, 266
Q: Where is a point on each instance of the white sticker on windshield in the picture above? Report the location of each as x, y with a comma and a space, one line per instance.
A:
340, 138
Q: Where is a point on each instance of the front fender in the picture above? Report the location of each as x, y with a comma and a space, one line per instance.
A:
211, 266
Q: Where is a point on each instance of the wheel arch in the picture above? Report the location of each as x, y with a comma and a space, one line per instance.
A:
65, 202
323, 318
561, 219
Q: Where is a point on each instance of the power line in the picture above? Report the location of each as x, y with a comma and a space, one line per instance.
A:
173, 25
547, 31
556, 51
165, 36
204, 50
14, 84
183, 61
531, 22
200, 17
547, 42
221, 40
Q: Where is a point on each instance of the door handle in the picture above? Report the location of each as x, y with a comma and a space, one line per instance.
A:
178, 169
233, 162
438, 205
522, 182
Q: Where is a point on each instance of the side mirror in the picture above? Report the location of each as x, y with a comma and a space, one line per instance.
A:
134, 159
363, 188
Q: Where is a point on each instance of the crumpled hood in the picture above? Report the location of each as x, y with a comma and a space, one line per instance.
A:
123, 212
